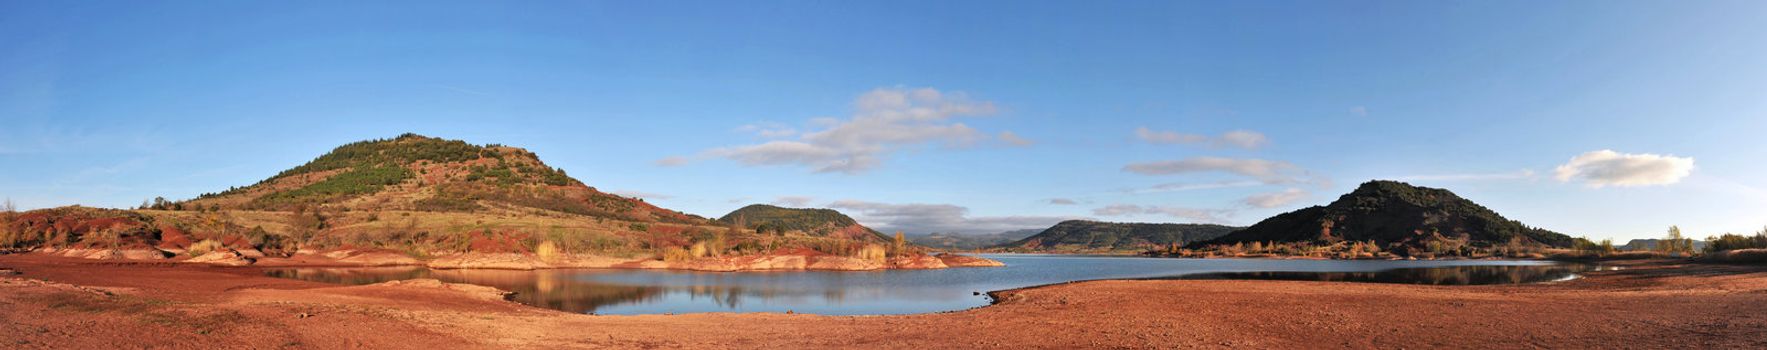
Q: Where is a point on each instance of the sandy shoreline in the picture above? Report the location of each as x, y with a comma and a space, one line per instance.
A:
72, 303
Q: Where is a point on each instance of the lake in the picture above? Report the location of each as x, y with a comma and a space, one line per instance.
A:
630, 292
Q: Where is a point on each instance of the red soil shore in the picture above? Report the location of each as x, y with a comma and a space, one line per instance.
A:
80, 304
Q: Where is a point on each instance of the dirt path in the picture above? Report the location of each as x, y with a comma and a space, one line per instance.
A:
70, 304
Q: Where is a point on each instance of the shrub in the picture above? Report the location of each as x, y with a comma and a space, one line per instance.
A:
548, 251
676, 254
1734, 242
698, 250
1674, 243
899, 245
1586, 246
204, 247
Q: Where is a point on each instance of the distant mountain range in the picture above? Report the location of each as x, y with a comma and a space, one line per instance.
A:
1395, 214
960, 241
1097, 236
1651, 244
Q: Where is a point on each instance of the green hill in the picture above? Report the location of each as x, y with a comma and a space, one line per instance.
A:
1083, 235
960, 241
414, 172
815, 222
1397, 215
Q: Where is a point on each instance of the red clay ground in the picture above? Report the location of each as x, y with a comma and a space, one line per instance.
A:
77, 304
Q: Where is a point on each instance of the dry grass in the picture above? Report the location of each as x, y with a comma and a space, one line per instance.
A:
548, 251
204, 247
698, 250
872, 252
676, 254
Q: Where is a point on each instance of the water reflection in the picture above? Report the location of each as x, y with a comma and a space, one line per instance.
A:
905, 292
1452, 275
544, 288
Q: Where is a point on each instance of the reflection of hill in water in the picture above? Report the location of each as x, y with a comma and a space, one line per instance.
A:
1453, 275
559, 289
551, 289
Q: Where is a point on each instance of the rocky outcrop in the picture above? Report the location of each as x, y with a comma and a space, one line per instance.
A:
470, 290
954, 260
916, 262
227, 257
841, 263
108, 254
372, 258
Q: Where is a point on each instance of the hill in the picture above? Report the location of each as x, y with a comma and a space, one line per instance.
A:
450, 204
1083, 235
1649, 244
418, 173
959, 241
810, 221
1402, 219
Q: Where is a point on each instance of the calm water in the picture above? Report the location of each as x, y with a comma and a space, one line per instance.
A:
625, 292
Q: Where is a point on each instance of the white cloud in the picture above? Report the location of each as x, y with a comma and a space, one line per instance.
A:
1266, 171
1168, 137
885, 121
1243, 139
1012, 138
1275, 199
793, 201
1181, 186
1062, 201
1360, 111
1609, 168
1238, 138
1198, 215
768, 130
672, 161
929, 218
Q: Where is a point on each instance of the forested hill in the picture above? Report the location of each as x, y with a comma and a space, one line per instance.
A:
1083, 235
1395, 214
812, 221
415, 172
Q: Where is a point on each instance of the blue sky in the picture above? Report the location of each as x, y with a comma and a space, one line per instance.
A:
895, 111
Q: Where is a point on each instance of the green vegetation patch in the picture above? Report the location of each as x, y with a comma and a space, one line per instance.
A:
361, 180
406, 149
